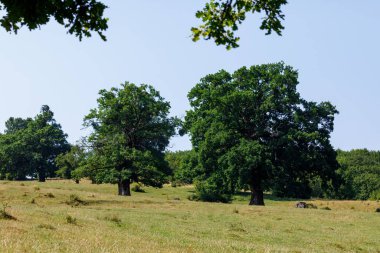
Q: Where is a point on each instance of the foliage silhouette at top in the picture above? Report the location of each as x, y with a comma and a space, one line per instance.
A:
252, 126
131, 131
220, 18
81, 17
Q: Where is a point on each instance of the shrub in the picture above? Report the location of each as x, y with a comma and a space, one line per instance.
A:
137, 188
9, 176
71, 220
74, 200
375, 195
209, 190
49, 195
193, 197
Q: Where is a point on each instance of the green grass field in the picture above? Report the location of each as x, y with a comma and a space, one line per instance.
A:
163, 220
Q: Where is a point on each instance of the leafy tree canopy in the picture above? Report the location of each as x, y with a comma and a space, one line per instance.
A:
30, 146
220, 18
70, 163
131, 131
360, 174
184, 166
80, 17
13, 125
14, 153
252, 126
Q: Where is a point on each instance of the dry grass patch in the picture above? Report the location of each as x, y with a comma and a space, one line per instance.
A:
154, 221
4, 215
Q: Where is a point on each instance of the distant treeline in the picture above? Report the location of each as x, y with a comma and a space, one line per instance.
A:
250, 130
358, 176
359, 173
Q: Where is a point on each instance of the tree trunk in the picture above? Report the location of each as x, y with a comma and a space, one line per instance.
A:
124, 187
257, 194
119, 188
41, 176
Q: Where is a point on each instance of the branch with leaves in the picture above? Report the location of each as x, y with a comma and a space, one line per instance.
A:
81, 17
221, 19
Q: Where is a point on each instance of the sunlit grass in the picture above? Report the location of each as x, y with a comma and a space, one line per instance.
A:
164, 220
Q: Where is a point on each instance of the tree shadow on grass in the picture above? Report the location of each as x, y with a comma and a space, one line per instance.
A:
267, 196
103, 201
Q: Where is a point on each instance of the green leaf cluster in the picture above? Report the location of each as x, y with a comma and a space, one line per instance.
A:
221, 19
81, 17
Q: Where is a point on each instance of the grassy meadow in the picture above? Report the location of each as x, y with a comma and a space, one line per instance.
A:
61, 216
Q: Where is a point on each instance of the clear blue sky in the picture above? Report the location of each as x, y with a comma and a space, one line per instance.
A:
334, 44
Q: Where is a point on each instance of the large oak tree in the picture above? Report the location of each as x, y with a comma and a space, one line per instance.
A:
252, 126
131, 132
